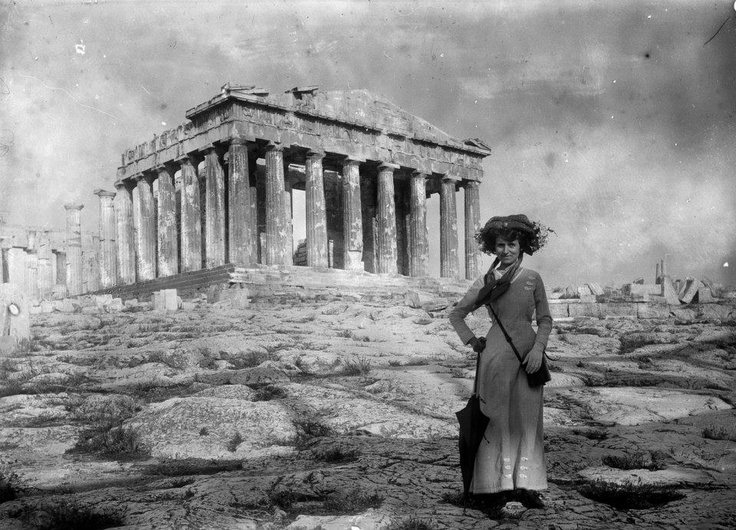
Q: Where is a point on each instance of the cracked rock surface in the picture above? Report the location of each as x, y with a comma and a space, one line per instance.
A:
339, 414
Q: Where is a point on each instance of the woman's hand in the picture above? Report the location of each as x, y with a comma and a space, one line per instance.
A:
533, 361
478, 344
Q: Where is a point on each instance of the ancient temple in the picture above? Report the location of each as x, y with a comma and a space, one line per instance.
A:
218, 188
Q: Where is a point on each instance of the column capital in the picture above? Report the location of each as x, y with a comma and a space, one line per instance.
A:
388, 165
193, 158
143, 176
449, 178
73, 206
419, 174
104, 193
169, 166
315, 154
274, 146
238, 140
209, 148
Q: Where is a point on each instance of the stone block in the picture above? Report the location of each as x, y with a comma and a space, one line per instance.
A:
619, 310
115, 305
583, 309
558, 310
101, 300
691, 289
170, 299
15, 326
188, 306
133, 302
165, 300
669, 292
237, 298
587, 298
717, 312
70, 306
58, 292
418, 299
90, 310
658, 311
596, 289
47, 306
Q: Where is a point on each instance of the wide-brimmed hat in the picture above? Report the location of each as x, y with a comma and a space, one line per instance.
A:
518, 222
537, 232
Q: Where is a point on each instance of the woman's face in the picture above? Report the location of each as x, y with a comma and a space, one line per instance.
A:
507, 251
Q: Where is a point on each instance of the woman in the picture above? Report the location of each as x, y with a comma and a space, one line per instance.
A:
510, 459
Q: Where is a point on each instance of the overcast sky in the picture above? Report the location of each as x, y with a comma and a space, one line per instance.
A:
613, 122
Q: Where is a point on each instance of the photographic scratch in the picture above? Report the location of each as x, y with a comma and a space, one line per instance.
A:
70, 97
718, 30
147, 91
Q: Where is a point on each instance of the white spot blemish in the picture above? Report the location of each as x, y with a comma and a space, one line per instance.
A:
80, 48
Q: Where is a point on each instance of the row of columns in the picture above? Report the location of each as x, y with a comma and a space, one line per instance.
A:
138, 238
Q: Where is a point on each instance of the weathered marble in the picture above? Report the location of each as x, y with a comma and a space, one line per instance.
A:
145, 228
168, 243
124, 218
386, 237
418, 237
191, 222
448, 230
214, 209
107, 230
353, 221
278, 236
472, 225
241, 228
74, 248
315, 210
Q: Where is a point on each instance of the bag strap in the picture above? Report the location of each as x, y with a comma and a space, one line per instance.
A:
505, 334
477, 367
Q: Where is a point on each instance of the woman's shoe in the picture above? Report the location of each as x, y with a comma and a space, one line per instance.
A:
530, 498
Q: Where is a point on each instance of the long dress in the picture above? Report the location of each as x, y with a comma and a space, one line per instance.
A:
511, 454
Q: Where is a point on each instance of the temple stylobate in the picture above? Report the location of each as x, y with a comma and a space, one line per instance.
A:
218, 189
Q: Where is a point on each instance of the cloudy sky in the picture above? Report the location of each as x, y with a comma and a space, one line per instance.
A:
611, 121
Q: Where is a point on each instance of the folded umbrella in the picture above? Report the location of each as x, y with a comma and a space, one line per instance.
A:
473, 425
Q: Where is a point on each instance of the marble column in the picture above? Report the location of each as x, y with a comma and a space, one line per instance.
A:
191, 222
168, 242
418, 237
107, 251
472, 225
74, 248
353, 220
277, 240
16, 267
125, 234
31, 276
315, 210
448, 230
91, 260
45, 268
241, 230
145, 229
214, 209
387, 251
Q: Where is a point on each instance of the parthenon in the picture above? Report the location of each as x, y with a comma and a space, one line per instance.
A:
197, 196
218, 190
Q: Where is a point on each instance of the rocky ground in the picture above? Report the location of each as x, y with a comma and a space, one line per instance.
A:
339, 414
